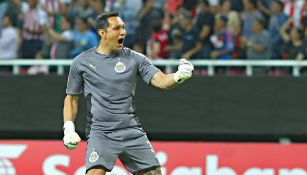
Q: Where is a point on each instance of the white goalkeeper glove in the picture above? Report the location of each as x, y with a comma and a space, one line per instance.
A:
71, 138
184, 71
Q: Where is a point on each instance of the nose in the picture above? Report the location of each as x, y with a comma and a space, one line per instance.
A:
122, 32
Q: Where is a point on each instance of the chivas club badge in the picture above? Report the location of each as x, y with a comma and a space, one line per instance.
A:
119, 67
94, 156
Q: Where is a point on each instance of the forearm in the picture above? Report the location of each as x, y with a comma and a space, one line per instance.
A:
257, 48
163, 81
55, 36
299, 56
283, 32
70, 108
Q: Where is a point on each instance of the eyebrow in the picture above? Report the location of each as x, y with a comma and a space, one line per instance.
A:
119, 25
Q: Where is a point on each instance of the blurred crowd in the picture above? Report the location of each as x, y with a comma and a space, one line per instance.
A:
161, 29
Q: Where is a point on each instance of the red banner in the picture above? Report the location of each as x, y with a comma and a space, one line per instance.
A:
177, 158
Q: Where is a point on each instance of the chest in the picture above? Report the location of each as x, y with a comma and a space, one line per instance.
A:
110, 71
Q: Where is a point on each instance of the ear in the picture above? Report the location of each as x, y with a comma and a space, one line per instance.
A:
102, 33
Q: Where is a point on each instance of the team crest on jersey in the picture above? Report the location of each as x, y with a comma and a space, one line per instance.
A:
94, 156
119, 67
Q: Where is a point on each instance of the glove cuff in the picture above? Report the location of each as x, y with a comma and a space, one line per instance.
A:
177, 78
69, 127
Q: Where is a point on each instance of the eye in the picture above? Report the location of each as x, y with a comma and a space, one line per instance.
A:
115, 28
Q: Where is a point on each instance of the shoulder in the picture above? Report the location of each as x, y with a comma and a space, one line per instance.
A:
9, 33
133, 53
138, 57
85, 55
126, 51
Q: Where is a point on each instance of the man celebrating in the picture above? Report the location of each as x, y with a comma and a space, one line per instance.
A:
107, 76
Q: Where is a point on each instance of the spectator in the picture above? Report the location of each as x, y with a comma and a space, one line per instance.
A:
98, 8
259, 44
84, 9
83, 38
72, 9
16, 9
294, 48
190, 5
205, 24
191, 45
34, 20
61, 42
146, 16
249, 15
214, 6
234, 23
236, 5
174, 48
158, 42
223, 40
172, 6
294, 8
3, 10
52, 8
277, 19
9, 41
265, 7
59, 45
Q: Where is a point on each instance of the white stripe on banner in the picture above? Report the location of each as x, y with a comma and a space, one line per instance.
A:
11, 151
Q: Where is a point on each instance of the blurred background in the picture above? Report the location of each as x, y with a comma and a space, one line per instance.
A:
242, 113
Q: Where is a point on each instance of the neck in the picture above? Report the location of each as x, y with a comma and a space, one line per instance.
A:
105, 50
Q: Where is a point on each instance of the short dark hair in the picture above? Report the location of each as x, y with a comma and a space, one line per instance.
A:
102, 20
254, 3
10, 17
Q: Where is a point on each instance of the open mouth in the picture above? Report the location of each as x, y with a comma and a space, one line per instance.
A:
121, 41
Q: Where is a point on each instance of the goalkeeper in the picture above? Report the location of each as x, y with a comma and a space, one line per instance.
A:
107, 75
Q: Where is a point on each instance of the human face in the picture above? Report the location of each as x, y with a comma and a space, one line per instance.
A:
81, 25
247, 5
226, 6
275, 7
256, 27
6, 21
65, 24
32, 3
113, 38
218, 24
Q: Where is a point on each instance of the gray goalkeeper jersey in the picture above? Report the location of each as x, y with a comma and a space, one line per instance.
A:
108, 83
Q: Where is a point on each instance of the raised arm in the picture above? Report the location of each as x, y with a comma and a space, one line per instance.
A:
163, 81
283, 30
169, 81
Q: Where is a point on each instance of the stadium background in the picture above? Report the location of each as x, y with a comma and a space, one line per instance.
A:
228, 124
